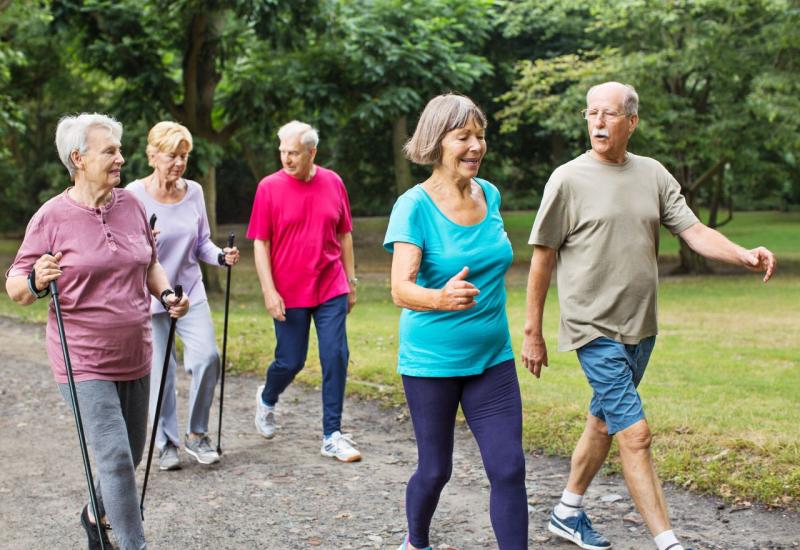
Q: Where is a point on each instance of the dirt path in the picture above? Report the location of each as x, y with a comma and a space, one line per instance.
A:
282, 494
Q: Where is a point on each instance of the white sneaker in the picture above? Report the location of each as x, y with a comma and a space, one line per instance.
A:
340, 446
265, 416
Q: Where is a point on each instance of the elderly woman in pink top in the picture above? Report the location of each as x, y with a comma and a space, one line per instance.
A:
105, 262
183, 241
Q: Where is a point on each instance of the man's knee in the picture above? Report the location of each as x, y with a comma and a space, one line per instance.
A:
596, 426
636, 437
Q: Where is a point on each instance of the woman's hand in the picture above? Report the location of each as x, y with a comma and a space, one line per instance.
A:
47, 269
231, 255
177, 308
458, 294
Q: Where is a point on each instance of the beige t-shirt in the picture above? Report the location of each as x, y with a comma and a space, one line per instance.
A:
603, 221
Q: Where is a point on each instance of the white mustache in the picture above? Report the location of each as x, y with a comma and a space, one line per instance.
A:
599, 132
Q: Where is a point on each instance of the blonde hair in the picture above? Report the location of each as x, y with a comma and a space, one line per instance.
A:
168, 137
72, 131
442, 114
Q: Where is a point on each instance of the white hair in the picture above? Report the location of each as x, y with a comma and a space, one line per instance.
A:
308, 134
72, 131
630, 101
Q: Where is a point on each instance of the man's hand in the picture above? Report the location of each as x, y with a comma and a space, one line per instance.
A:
275, 306
458, 294
534, 353
760, 259
351, 298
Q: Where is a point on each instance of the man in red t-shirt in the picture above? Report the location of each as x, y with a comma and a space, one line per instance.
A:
303, 246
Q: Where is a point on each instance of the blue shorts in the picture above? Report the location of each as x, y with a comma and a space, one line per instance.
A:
614, 371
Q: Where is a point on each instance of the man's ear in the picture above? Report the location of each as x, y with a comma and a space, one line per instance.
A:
634, 122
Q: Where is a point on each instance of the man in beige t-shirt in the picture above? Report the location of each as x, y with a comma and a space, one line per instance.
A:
599, 221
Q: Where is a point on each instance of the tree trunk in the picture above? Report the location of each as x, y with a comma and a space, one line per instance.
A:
690, 261
208, 181
402, 170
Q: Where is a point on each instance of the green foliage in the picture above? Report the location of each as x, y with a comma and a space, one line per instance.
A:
708, 74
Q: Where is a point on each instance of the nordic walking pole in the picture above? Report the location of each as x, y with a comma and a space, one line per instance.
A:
73, 395
231, 237
159, 399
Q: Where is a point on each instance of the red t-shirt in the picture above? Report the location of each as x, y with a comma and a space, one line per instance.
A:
102, 289
302, 222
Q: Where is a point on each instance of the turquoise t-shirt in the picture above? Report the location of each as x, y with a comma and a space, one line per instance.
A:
453, 343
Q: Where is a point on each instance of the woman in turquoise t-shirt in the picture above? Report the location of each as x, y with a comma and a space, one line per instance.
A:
450, 255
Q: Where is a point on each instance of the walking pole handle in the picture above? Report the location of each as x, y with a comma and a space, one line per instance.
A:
153, 219
231, 237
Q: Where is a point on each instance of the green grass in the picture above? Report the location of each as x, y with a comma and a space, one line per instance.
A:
722, 392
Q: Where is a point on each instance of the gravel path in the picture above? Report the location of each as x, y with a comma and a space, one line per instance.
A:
281, 494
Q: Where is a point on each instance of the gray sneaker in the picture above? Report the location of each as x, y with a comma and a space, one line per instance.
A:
168, 458
201, 449
265, 417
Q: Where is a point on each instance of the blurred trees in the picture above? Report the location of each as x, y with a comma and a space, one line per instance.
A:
720, 95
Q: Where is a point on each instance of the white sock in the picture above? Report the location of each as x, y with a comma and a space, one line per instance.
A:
570, 505
667, 541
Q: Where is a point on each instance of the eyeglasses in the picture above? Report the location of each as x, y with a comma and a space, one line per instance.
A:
592, 114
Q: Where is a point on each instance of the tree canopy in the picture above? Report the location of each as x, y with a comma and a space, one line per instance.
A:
720, 96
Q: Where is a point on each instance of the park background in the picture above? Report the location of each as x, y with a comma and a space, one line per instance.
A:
720, 108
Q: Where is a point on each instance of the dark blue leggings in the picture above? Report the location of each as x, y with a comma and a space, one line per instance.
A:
493, 408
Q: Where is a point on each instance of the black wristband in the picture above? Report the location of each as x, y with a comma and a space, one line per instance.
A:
164, 294
32, 286
221, 259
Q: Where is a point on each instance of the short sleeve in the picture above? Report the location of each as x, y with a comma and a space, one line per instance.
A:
552, 224
675, 213
34, 244
404, 224
260, 227
345, 224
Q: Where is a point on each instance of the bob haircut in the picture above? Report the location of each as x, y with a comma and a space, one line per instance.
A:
442, 114
72, 131
168, 137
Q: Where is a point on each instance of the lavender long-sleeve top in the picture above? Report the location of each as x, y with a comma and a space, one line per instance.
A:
184, 239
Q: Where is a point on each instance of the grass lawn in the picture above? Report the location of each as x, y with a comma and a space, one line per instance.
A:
722, 391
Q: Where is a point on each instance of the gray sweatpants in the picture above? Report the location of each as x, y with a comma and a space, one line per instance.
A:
114, 418
200, 360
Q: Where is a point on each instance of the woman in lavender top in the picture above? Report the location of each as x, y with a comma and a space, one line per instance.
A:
183, 240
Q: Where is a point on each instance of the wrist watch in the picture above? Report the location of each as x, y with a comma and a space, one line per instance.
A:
32, 286
164, 295
353, 281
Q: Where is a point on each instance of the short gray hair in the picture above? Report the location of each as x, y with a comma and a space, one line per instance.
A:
308, 134
72, 131
442, 114
630, 101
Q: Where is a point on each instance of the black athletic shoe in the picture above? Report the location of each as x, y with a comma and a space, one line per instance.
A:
91, 532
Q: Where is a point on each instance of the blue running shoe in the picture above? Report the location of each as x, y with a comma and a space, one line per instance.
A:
404, 546
578, 529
